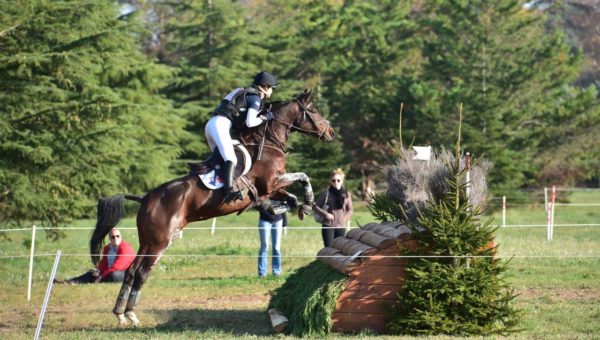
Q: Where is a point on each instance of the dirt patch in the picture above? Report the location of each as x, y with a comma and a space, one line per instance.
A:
203, 302
560, 293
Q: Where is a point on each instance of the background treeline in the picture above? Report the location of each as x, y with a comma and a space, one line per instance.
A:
102, 97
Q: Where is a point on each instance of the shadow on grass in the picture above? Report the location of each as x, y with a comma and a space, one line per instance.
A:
235, 322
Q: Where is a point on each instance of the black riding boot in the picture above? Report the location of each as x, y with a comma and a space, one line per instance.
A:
230, 195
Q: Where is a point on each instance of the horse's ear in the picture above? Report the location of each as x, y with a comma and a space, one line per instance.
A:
307, 93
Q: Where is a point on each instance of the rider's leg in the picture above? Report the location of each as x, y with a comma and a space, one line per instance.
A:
217, 132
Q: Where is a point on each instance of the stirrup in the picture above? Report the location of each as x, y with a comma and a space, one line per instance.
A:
233, 196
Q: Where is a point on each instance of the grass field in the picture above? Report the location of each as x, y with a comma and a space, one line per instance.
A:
215, 292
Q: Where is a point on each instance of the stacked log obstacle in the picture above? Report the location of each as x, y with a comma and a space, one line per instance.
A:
368, 256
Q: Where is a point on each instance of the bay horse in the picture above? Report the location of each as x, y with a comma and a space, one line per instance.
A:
167, 209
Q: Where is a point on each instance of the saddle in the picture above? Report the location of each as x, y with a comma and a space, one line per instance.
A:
210, 171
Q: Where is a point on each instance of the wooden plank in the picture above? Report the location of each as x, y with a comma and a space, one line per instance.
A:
355, 322
378, 274
389, 260
366, 306
357, 290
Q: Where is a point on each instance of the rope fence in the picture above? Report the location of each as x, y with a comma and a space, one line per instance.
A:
324, 256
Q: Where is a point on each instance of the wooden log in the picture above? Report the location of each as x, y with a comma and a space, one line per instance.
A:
328, 251
278, 320
387, 231
369, 238
350, 247
339, 262
355, 234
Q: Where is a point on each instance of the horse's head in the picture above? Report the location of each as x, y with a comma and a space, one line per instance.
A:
306, 118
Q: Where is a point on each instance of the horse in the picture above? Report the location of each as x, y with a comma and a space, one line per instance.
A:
167, 209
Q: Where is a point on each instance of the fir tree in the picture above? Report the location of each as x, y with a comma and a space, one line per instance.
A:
217, 48
453, 285
499, 59
81, 116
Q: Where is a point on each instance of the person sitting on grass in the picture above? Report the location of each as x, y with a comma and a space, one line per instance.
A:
116, 258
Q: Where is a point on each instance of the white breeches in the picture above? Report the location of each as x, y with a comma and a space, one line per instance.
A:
217, 134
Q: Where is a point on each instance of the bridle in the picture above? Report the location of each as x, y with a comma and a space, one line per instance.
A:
307, 111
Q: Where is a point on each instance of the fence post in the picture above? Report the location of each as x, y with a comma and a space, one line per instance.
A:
47, 296
214, 224
550, 212
545, 199
30, 278
504, 211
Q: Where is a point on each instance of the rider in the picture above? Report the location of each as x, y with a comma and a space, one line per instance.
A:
238, 110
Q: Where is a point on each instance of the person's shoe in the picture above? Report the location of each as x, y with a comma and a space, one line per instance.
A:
262, 276
230, 194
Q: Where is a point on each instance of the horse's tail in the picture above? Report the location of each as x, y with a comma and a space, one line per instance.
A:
110, 212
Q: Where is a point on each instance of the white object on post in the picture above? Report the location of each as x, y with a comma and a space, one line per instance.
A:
423, 152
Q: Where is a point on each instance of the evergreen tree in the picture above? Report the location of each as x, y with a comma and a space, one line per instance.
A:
81, 116
369, 51
453, 285
497, 58
217, 48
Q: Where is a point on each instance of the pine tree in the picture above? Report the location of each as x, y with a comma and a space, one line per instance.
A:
217, 48
453, 284
81, 114
497, 58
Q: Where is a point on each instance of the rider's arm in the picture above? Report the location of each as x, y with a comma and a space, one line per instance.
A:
253, 106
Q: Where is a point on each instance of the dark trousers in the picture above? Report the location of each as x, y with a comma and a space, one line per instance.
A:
331, 233
92, 275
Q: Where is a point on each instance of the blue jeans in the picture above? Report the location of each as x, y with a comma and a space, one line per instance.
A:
266, 229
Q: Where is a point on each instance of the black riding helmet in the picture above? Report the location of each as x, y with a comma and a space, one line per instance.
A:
265, 79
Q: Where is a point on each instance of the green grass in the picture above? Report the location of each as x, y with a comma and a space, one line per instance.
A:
216, 292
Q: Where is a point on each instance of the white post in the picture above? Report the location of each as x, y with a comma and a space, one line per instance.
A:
214, 224
47, 296
181, 234
504, 211
30, 279
552, 212
545, 198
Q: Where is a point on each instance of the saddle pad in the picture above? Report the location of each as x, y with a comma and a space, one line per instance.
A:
213, 181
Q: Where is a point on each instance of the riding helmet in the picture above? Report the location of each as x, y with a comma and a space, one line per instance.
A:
265, 78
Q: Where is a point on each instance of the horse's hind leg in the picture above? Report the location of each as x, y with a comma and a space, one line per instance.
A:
140, 276
123, 297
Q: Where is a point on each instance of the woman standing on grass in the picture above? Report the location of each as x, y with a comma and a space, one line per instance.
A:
335, 206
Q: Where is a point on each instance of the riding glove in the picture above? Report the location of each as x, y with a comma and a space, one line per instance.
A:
268, 116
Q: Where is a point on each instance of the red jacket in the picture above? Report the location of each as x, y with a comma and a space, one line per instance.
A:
121, 262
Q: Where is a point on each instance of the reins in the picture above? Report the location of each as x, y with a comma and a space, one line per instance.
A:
275, 143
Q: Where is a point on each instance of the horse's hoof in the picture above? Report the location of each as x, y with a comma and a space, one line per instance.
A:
122, 320
132, 318
304, 210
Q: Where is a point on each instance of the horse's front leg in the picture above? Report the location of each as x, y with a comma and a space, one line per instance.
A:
287, 179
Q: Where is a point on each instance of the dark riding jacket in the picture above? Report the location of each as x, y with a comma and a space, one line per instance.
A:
235, 107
